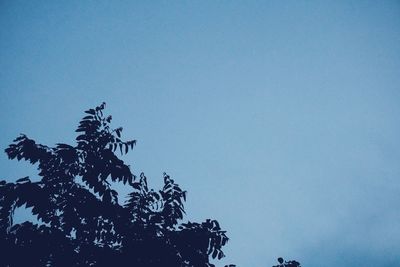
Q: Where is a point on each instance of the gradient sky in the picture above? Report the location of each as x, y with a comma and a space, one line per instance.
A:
280, 118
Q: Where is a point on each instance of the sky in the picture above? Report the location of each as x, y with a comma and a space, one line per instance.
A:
280, 118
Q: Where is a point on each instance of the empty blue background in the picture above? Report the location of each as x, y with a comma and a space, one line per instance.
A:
281, 119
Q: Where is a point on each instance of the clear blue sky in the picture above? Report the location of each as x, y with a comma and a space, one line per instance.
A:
280, 118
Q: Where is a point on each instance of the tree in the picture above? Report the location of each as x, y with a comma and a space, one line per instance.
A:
283, 263
81, 221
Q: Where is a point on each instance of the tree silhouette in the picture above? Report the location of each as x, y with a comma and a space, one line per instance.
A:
283, 263
81, 221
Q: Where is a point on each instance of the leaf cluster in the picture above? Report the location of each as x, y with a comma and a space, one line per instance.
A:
283, 263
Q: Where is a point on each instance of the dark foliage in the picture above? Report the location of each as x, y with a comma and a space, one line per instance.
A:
283, 263
83, 223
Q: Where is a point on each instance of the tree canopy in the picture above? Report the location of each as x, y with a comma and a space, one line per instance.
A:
82, 221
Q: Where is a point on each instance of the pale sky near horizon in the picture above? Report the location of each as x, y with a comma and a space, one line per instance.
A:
280, 118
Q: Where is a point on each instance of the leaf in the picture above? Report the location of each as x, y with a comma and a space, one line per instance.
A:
91, 111
24, 180
216, 225
81, 137
214, 254
64, 146
220, 255
118, 131
136, 185
132, 143
87, 118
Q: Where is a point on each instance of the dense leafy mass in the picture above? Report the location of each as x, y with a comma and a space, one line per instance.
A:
81, 221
